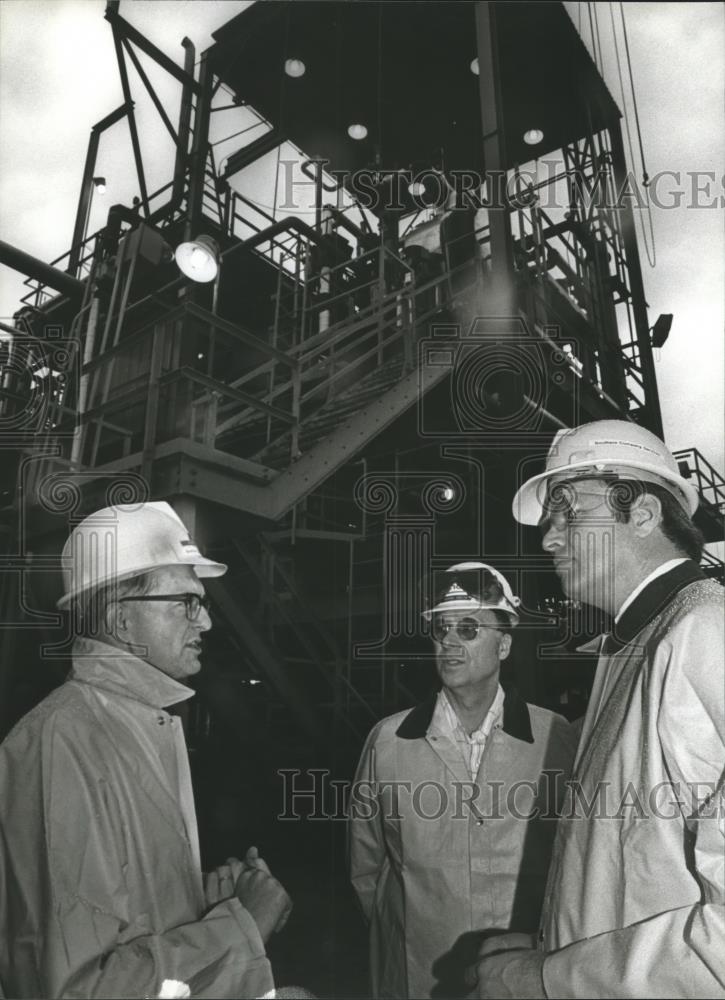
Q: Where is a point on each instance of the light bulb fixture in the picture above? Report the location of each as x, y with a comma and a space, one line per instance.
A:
661, 330
533, 137
100, 184
474, 66
416, 189
199, 259
448, 493
294, 67
357, 132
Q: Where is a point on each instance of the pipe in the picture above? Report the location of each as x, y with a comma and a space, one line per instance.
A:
291, 222
182, 143
40, 271
344, 223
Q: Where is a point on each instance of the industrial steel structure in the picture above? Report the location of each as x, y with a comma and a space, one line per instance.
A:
444, 276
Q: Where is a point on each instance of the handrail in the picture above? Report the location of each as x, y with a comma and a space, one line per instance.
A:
329, 340
708, 479
130, 340
239, 333
281, 388
224, 390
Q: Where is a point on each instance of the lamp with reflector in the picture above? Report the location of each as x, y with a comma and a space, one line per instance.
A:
199, 259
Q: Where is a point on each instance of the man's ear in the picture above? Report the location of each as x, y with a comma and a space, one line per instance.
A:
645, 514
504, 647
115, 619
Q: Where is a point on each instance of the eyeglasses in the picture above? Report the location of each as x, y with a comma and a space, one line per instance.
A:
569, 501
466, 629
193, 603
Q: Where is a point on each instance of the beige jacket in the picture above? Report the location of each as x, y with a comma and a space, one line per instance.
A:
99, 859
636, 894
435, 855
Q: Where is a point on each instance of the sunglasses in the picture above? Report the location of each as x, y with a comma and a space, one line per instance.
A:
466, 629
193, 603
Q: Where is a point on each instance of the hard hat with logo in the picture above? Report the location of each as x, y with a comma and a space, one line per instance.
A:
122, 541
461, 588
611, 447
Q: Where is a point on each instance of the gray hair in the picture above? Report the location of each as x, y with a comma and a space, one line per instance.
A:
89, 608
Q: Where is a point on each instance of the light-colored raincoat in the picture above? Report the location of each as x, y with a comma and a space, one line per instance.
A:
99, 859
472, 865
635, 901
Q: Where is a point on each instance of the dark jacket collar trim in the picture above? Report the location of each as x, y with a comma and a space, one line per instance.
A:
650, 602
516, 720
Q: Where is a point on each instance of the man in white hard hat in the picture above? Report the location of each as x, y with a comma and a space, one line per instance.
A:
451, 821
102, 890
635, 899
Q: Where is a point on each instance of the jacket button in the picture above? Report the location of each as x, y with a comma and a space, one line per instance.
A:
161, 721
479, 822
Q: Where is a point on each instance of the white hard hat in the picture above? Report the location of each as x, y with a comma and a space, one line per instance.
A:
121, 541
611, 446
459, 587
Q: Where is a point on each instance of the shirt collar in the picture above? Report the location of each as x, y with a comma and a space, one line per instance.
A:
446, 719
119, 672
516, 719
664, 568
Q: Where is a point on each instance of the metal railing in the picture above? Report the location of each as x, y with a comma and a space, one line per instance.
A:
709, 483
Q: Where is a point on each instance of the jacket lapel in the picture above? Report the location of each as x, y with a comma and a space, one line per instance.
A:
650, 602
417, 725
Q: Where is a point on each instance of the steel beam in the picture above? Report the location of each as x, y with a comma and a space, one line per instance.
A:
138, 159
84, 202
126, 30
652, 411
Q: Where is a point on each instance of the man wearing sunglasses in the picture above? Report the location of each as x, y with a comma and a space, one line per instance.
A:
103, 893
451, 817
635, 904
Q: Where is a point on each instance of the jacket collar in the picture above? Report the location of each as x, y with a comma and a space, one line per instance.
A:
516, 720
650, 602
122, 673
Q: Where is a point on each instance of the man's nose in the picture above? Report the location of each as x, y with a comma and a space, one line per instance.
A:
553, 534
203, 621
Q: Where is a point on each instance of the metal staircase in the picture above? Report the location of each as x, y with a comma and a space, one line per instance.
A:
329, 417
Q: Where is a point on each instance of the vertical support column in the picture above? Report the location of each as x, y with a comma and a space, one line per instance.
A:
494, 156
652, 413
152, 405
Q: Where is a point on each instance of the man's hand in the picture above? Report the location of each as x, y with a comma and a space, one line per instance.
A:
509, 970
260, 893
219, 884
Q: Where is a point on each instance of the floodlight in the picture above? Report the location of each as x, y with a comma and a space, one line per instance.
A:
199, 259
